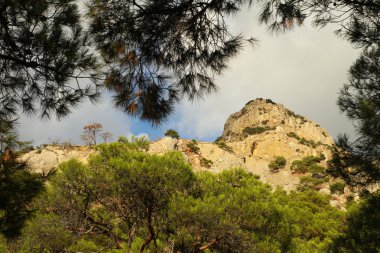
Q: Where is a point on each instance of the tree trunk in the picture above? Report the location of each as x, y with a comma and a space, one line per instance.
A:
208, 245
151, 231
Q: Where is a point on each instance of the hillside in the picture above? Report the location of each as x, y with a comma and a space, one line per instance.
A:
252, 138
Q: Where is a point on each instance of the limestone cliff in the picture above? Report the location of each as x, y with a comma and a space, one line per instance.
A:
45, 159
263, 130
252, 138
266, 115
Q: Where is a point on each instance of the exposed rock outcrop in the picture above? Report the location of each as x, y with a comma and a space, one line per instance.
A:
265, 114
45, 159
221, 159
252, 138
263, 130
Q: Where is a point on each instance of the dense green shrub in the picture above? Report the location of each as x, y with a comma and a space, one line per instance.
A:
297, 116
337, 187
309, 143
119, 189
224, 146
362, 233
193, 146
316, 169
256, 130
206, 162
218, 139
303, 141
172, 133
141, 143
18, 188
307, 164
125, 200
310, 182
293, 135
277, 163
321, 157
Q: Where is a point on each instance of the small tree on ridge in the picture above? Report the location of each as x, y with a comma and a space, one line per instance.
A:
90, 132
172, 133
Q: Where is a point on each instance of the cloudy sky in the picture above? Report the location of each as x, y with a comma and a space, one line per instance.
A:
303, 70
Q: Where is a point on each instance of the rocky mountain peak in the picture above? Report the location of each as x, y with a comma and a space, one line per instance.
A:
252, 139
260, 116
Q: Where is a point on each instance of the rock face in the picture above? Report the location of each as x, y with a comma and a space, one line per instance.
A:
263, 130
220, 158
252, 138
266, 115
44, 160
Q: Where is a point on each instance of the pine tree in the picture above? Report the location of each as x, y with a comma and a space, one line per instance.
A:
18, 186
358, 163
159, 52
43, 51
355, 161
359, 20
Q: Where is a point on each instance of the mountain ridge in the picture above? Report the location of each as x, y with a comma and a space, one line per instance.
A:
252, 138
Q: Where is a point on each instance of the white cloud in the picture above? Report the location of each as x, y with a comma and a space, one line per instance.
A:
70, 128
303, 69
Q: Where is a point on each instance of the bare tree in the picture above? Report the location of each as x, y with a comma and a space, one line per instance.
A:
55, 141
90, 132
107, 136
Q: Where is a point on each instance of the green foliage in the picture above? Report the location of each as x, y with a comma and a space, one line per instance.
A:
363, 228
317, 169
307, 164
222, 145
125, 200
311, 182
172, 133
119, 182
46, 232
178, 46
293, 135
357, 161
84, 246
256, 130
43, 48
218, 139
277, 163
9, 138
321, 157
241, 214
337, 187
226, 215
18, 187
193, 146
303, 141
315, 222
134, 142
206, 162
309, 143
292, 114
360, 24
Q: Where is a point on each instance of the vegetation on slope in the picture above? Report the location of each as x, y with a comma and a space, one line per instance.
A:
125, 200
